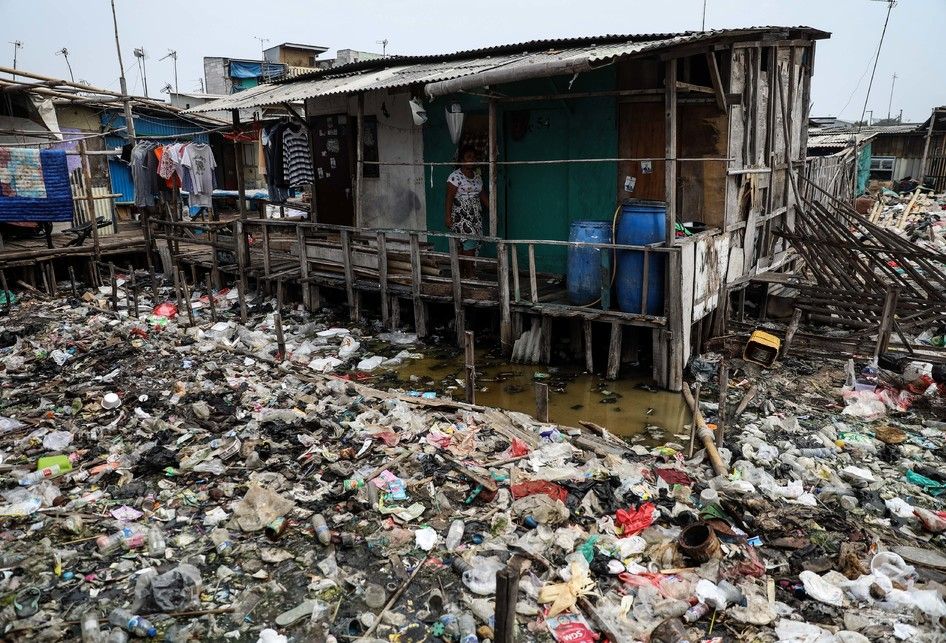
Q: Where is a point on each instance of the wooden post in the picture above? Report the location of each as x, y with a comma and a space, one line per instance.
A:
670, 170
53, 284
614, 350
360, 160
280, 339
267, 260
887, 319
470, 360
111, 278
176, 273
693, 430
133, 282
790, 332
89, 198
242, 252
493, 201
7, 295
507, 595
546, 356
541, 402
533, 281
675, 321
420, 312
304, 265
383, 278
187, 302
589, 359
926, 146
280, 294
516, 293
238, 153
458, 312
210, 300
505, 316
72, 281
214, 259
353, 311
723, 394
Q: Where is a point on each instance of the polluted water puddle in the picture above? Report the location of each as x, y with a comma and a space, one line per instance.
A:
630, 408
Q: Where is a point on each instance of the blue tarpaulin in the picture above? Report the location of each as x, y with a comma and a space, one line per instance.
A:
34, 185
248, 69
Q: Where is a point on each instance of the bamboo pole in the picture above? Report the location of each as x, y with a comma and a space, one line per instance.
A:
704, 434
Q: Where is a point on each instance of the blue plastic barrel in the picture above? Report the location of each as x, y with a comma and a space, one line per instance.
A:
585, 273
641, 223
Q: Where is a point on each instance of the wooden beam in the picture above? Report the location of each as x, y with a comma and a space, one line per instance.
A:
383, 278
90, 199
670, 173
303, 265
493, 152
420, 311
360, 160
505, 316
455, 277
887, 319
589, 358
533, 284
614, 350
717, 80
349, 276
690, 87
238, 154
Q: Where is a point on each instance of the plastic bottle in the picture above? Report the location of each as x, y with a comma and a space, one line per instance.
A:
467, 628
451, 626
455, 535
91, 633
353, 484
132, 623
696, 612
41, 474
221, 540
822, 452
322, 531
116, 635
460, 565
156, 544
127, 538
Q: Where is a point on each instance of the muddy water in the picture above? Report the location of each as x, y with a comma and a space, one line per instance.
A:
627, 407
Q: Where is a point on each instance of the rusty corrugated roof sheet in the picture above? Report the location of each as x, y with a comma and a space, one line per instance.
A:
404, 71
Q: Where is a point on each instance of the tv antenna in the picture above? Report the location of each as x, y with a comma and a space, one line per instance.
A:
172, 54
65, 54
384, 47
17, 45
140, 55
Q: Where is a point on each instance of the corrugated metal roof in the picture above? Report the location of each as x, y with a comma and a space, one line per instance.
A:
837, 139
403, 71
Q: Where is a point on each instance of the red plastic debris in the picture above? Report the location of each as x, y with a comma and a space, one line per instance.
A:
165, 309
633, 521
534, 487
517, 449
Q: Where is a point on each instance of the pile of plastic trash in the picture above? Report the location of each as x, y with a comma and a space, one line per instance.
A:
188, 484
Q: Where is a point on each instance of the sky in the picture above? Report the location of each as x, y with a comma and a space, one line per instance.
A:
914, 47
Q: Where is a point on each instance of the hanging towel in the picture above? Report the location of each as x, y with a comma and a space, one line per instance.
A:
34, 185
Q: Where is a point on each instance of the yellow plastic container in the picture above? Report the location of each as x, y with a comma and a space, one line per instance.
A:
762, 348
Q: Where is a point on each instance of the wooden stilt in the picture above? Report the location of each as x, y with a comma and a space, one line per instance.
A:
792, 329
614, 351
187, 301
280, 294
53, 285
7, 295
241, 294
507, 596
353, 311
383, 278
304, 265
210, 300
133, 291
395, 312
887, 318
696, 396
44, 279
541, 402
589, 353
546, 356
505, 317
723, 394
72, 281
280, 339
111, 278
458, 313
470, 360
420, 312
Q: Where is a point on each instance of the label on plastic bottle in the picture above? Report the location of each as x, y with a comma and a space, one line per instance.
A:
571, 628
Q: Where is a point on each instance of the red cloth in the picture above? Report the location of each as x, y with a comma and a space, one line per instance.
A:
673, 476
534, 487
633, 521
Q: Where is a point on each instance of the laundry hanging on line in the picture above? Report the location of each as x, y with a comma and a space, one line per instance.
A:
157, 167
288, 159
34, 185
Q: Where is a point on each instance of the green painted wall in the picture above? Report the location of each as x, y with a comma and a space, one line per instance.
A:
538, 201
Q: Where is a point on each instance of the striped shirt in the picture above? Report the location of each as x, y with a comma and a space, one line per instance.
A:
296, 157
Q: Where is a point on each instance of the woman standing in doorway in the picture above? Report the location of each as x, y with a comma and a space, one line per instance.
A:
465, 203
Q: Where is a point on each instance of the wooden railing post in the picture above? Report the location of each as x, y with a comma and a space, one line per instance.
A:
505, 314
420, 310
459, 316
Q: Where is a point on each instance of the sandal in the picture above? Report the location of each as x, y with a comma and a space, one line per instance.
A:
26, 603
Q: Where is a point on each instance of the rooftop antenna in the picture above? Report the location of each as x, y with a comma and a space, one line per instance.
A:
172, 54
167, 89
140, 55
126, 99
262, 56
65, 54
890, 5
17, 45
703, 25
890, 102
384, 47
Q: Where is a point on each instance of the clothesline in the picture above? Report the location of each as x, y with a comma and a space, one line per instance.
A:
54, 142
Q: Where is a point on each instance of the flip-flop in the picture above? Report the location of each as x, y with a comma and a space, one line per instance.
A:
26, 603
296, 614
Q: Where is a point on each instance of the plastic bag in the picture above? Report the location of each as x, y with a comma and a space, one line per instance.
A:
165, 309
481, 577
259, 507
633, 521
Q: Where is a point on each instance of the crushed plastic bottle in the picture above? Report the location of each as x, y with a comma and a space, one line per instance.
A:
455, 534
467, 626
132, 623
156, 544
127, 538
89, 627
41, 474
322, 531
221, 540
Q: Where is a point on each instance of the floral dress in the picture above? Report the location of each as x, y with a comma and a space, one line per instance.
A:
466, 209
